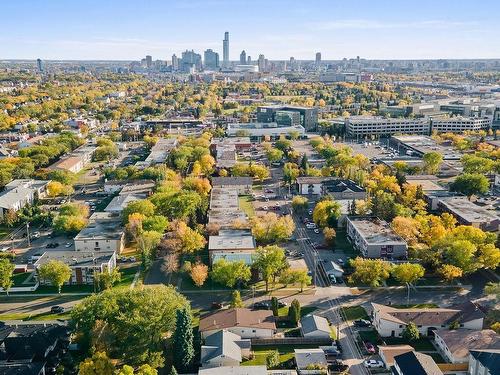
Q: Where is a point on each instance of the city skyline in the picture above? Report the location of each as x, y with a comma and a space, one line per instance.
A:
124, 30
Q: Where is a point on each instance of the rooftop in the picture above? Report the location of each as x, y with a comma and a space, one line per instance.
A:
416, 363
231, 240
238, 317
76, 258
306, 357
234, 370
121, 201
390, 351
460, 341
223, 343
424, 144
469, 211
102, 225
312, 323
233, 181
489, 358
67, 163
375, 230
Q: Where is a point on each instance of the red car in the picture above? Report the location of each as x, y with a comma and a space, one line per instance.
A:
369, 347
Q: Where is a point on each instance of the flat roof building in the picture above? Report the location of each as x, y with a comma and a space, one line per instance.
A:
261, 130
460, 124
420, 145
468, 213
363, 126
104, 232
374, 238
232, 245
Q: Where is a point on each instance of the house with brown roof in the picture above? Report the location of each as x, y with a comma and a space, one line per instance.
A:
241, 321
455, 344
390, 321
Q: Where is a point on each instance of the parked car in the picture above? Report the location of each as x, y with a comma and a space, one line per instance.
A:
261, 306
311, 226
57, 309
316, 231
369, 347
68, 244
217, 305
332, 351
371, 363
269, 191
310, 212
35, 235
362, 323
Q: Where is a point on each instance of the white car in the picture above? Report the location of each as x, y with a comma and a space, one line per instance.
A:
311, 226
316, 231
340, 261
371, 363
68, 244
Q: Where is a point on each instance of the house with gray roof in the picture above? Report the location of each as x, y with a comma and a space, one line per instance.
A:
484, 362
315, 326
224, 348
232, 245
415, 363
19, 193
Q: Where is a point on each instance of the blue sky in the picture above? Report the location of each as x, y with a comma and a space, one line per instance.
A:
130, 29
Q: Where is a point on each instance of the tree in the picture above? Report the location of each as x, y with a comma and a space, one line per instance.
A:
326, 213
6, 273
183, 340
270, 228
274, 155
106, 279
274, 306
295, 276
493, 289
236, 300
470, 184
144, 207
55, 188
408, 273
147, 242
184, 239
99, 364
432, 161
450, 272
155, 223
407, 228
294, 312
173, 371
272, 359
230, 273
371, 272
199, 273
290, 173
411, 333
55, 272
133, 323
330, 235
384, 205
460, 253
270, 261
300, 204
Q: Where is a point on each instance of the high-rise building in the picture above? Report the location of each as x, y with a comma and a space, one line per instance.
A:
175, 62
249, 59
225, 50
211, 60
190, 61
243, 57
39, 65
318, 58
149, 61
261, 63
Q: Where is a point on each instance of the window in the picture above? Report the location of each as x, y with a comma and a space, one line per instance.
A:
254, 330
96, 244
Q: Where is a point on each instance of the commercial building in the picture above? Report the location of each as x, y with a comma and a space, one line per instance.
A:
190, 62
242, 184
83, 264
454, 345
284, 115
374, 238
232, 245
416, 145
243, 58
104, 232
365, 126
259, 131
159, 152
460, 124
225, 50
468, 213
211, 60
19, 193
244, 322
391, 322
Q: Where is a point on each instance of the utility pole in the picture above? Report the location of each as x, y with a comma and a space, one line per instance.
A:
28, 233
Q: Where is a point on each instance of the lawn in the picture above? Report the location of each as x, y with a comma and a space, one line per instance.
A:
370, 335
28, 317
20, 278
245, 202
128, 275
422, 344
354, 312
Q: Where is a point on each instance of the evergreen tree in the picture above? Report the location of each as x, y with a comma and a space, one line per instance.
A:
236, 299
173, 371
294, 312
274, 306
183, 340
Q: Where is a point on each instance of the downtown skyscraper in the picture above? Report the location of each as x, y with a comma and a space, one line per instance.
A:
225, 50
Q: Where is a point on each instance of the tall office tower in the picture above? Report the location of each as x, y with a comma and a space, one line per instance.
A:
149, 61
190, 61
261, 63
39, 65
243, 57
225, 50
249, 59
318, 58
175, 62
211, 60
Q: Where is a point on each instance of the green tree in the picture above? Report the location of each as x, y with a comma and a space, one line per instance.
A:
173, 371
294, 312
450, 272
147, 243
143, 206
384, 205
6, 273
270, 261
432, 162
236, 300
326, 213
330, 235
272, 359
55, 272
270, 228
470, 184
300, 204
274, 306
230, 273
98, 364
411, 333
407, 273
274, 155
183, 340
371, 272
106, 279
295, 276
290, 173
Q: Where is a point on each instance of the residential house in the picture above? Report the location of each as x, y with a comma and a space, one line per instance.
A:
19, 193
232, 245
315, 326
454, 345
72, 164
244, 322
33, 141
374, 238
104, 232
224, 348
390, 321
234, 370
484, 362
83, 264
388, 352
310, 361
120, 202
415, 363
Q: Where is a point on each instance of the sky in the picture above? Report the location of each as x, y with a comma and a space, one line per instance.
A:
279, 29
